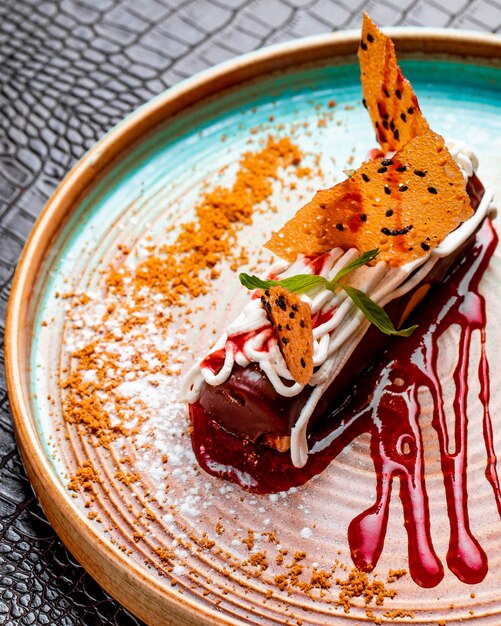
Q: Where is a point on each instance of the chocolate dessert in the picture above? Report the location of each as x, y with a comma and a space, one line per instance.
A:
363, 255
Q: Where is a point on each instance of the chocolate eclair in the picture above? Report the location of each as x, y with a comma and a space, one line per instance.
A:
286, 362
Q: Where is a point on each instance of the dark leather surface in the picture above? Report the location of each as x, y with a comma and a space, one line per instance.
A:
69, 70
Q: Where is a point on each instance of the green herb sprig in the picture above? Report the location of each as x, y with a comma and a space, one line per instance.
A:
300, 283
376, 314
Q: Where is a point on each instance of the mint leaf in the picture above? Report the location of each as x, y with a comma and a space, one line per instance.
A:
363, 259
302, 282
376, 314
254, 282
295, 284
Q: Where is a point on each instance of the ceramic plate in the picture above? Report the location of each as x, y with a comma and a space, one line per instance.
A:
118, 478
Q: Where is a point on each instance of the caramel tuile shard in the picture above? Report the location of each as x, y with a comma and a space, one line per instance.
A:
388, 96
291, 319
405, 206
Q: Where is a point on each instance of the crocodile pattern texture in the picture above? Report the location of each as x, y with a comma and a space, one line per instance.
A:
70, 70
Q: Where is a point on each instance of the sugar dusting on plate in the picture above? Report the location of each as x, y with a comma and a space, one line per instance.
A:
129, 341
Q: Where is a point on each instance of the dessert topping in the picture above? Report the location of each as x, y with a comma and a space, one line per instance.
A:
303, 282
388, 96
384, 205
291, 319
300, 283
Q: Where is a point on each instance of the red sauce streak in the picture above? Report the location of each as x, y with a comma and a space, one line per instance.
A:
215, 360
322, 317
375, 153
384, 403
316, 263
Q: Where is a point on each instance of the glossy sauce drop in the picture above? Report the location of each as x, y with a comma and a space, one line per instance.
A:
385, 404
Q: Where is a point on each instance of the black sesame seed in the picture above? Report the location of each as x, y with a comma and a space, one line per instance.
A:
287, 326
386, 92
363, 217
398, 93
370, 38
432, 190
403, 117
263, 299
382, 170
302, 324
402, 168
340, 227
387, 190
285, 341
364, 102
363, 45
392, 125
280, 302
420, 173
403, 188
386, 126
396, 231
267, 293
389, 213
366, 178
292, 315
425, 246
294, 307
386, 162
279, 327
410, 110
303, 364
396, 134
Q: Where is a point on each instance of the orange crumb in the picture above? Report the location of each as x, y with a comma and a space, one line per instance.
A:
249, 540
398, 614
258, 559
187, 266
360, 585
84, 478
395, 574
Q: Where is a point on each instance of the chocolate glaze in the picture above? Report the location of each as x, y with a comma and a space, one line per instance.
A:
247, 405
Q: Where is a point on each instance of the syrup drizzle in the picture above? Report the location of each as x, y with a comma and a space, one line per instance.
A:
484, 396
385, 404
